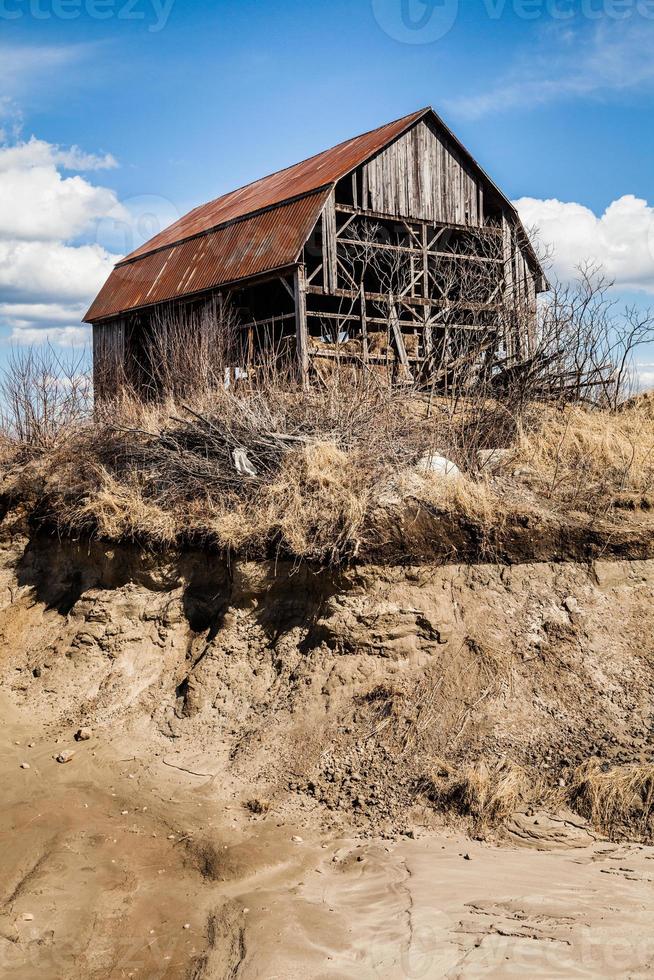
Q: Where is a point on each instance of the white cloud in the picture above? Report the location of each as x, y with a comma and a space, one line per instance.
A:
38, 203
51, 264
621, 240
79, 336
590, 59
44, 272
645, 374
35, 153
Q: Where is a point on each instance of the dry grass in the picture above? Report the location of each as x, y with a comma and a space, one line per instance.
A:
589, 459
326, 469
618, 801
486, 793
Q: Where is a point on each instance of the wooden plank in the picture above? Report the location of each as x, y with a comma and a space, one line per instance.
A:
270, 321
410, 250
364, 323
301, 333
399, 342
418, 301
329, 241
486, 229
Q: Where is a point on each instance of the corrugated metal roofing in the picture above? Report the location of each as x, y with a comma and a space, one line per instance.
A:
310, 175
269, 240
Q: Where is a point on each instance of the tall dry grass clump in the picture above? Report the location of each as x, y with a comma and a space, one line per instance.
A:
590, 459
618, 801
487, 793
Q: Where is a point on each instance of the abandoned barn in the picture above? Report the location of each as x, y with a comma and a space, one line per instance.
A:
393, 250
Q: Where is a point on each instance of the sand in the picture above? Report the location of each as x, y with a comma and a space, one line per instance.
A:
117, 865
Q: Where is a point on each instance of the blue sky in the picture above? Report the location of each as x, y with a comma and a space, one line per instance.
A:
172, 102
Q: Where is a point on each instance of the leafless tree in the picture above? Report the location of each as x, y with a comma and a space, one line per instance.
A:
43, 394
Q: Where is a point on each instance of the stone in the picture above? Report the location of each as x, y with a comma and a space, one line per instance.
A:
440, 466
297, 840
65, 756
83, 735
24, 765
571, 604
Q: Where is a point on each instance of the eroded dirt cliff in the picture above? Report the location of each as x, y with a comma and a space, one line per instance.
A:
235, 706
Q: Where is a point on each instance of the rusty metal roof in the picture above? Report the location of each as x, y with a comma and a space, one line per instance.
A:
260, 243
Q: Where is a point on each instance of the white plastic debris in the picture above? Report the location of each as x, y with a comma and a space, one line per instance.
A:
243, 465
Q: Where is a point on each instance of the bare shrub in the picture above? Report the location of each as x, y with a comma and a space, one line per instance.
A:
44, 395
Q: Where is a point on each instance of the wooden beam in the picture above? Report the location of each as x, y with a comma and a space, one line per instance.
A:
272, 320
426, 290
406, 301
364, 323
398, 219
410, 250
301, 333
399, 341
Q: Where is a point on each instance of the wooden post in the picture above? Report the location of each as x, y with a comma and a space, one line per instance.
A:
364, 323
301, 332
426, 291
509, 289
399, 341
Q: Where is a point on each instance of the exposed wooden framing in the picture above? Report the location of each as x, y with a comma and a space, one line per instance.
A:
301, 333
270, 321
407, 300
289, 290
409, 250
426, 290
386, 216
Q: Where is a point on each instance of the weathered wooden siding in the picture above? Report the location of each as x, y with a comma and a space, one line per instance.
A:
420, 176
109, 362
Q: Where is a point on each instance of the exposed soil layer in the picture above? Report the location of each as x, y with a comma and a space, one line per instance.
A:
234, 706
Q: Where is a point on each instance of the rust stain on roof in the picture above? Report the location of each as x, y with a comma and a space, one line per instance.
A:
269, 240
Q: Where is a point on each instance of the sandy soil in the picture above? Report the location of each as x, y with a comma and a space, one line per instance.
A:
118, 865
250, 803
